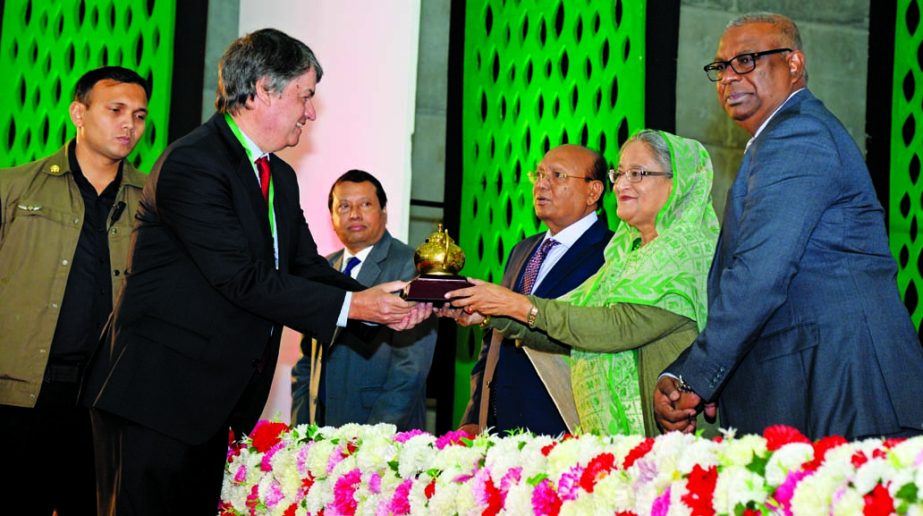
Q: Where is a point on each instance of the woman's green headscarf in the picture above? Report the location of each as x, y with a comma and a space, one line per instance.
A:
670, 272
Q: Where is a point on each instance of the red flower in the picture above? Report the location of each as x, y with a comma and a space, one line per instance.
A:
878, 502
878, 453
639, 451
821, 448
891, 442
290, 511
598, 468
626, 513
700, 490
751, 512
548, 447
265, 435
494, 499
718, 439
858, 459
350, 448
778, 436
430, 489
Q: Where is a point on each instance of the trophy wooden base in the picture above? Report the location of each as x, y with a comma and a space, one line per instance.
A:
430, 288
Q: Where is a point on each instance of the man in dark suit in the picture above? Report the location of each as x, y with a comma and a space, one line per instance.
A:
382, 378
805, 325
221, 259
506, 391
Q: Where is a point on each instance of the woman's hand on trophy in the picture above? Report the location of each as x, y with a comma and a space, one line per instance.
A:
489, 299
461, 317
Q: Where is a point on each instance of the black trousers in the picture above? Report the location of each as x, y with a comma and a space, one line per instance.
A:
48, 455
144, 472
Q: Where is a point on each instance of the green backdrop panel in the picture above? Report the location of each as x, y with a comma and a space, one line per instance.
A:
46, 45
905, 205
536, 74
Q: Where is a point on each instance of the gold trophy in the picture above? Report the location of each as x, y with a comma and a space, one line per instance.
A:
438, 260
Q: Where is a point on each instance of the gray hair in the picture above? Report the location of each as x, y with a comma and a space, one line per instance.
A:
791, 36
266, 53
656, 143
784, 24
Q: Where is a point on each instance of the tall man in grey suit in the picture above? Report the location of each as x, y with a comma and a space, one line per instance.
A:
382, 378
805, 325
506, 390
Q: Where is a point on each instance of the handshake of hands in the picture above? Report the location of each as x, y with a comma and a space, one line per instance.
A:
676, 408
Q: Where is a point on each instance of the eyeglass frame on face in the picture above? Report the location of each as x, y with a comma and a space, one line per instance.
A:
719, 67
554, 177
635, 175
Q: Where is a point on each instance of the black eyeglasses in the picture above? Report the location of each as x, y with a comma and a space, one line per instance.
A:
741, 64
635, 175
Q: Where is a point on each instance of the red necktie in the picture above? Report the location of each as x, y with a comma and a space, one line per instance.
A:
262, 164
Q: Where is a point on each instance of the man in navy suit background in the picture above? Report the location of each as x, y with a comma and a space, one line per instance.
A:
506, 391
805, 325
380, 378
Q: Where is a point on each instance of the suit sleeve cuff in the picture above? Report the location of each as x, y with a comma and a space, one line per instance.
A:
344, 310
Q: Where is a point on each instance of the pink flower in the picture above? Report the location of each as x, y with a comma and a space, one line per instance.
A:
375, 483
241, 474
344, 491
400, 503
786, 491
335, 458
569, 484
266, 462
661, 505
545, 500
403, 437
275, 494
513, 476
453, 437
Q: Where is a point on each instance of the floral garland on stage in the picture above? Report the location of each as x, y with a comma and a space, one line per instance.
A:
358, 469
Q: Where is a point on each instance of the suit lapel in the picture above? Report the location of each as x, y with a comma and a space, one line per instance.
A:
572, 260
370, 272
518, 259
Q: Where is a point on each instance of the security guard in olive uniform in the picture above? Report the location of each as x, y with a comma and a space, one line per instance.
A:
65, 228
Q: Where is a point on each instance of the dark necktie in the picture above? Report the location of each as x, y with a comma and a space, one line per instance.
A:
350, 265
262, 165
533, 266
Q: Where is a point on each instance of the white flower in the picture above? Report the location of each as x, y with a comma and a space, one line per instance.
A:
740, 452
850, 503
737, 485
813, 494
787, 458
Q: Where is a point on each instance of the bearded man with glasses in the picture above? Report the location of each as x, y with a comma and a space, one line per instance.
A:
805, 324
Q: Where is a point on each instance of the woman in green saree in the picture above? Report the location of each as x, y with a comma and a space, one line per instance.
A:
644, 306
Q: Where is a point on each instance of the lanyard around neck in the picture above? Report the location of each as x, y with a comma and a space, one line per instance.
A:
272, 191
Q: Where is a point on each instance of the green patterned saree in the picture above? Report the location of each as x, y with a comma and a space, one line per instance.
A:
670, 272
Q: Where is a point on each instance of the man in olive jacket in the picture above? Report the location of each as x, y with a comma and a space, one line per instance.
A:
65, 228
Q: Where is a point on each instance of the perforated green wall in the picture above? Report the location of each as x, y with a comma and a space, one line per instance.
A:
537, 74
46, 45
906, 205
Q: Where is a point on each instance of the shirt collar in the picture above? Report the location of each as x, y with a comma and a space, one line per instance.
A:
253, 150
361, 255
569, 235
